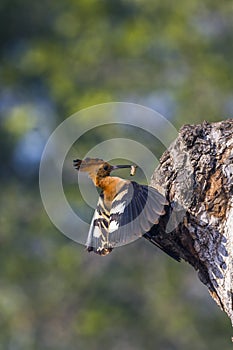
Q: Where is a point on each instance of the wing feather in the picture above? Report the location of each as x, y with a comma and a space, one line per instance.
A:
134, 210
143, 205
97, 239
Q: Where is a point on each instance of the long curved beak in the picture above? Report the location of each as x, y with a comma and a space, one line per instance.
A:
115, 167
132, 168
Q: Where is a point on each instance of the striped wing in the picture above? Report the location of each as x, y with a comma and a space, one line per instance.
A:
97, 239
134, 210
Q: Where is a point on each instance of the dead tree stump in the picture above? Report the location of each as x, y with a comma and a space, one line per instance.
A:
196, 175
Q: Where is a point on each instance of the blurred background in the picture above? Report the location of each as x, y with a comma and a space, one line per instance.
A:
58, 57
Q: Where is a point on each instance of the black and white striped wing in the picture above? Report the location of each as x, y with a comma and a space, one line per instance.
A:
135, 209
97, 239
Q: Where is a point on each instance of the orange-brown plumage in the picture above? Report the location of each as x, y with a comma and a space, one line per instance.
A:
110, 186
99, 171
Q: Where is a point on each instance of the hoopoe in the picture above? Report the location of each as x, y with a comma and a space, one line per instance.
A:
125, 211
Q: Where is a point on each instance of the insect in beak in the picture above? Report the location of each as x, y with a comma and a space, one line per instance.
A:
133, 170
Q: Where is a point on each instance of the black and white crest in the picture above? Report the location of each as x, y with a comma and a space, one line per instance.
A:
133, 211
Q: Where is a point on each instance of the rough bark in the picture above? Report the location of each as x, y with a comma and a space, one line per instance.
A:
196, 175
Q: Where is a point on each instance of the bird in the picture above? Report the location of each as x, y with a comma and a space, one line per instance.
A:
125, 210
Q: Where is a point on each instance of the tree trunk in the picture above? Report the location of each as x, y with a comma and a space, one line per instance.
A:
196, 175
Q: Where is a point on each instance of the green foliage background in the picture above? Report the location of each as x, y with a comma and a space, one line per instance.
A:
58, 57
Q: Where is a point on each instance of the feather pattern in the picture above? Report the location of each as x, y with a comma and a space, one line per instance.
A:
125, 210
134, 210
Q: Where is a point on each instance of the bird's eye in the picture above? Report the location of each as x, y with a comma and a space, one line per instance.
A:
106, 167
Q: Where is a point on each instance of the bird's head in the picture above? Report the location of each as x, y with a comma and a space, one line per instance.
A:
96, 167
